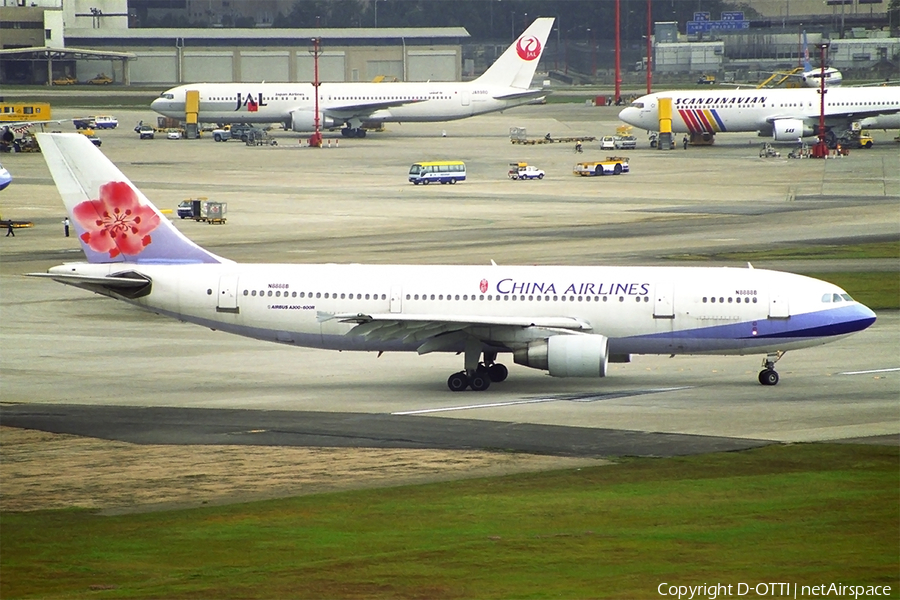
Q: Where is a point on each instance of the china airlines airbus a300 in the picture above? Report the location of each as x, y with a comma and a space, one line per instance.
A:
785, 114
349, 105
570, 321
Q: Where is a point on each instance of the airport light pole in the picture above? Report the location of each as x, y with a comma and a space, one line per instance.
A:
820, 150
649, 48
316, 139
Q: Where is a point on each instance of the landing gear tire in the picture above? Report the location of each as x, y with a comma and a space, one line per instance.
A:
479, 382
768, 377
458, 382
360, 133
497, 372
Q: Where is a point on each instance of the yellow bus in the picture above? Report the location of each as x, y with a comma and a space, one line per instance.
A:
24, 111
445, 171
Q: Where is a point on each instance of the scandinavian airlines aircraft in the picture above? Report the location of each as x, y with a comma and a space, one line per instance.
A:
786, 115
570, 321
350, 105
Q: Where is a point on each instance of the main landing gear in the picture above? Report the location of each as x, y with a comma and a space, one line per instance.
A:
768, 376
358, 132
479, 377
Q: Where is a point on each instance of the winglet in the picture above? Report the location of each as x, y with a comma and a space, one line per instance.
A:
114, 221
516, 66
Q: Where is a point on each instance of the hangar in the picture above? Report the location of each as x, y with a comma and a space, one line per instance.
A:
172, 56
41, 44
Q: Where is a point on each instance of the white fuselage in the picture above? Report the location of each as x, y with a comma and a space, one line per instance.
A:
763, 110
642, 310
278, 102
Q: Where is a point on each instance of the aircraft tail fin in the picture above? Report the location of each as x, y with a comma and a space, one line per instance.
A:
807, 66
516, 66
114, 221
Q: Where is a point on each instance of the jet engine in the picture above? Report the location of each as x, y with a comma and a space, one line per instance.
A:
567, 355
305, 120
788, 130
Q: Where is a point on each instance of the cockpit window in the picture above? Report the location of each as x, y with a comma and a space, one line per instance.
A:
826, 298
847, 297
637, 105
167, 96
836, 298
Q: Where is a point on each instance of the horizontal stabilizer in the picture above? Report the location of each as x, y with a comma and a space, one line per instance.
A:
519, 95
127, 284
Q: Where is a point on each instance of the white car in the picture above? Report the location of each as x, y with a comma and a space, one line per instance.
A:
608, 142
173, 134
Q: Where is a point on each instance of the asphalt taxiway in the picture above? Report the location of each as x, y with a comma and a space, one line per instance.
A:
85, 364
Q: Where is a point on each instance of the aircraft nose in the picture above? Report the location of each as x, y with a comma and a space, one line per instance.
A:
627, 114
861, 317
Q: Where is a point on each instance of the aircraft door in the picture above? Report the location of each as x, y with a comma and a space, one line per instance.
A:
778, 306
396, 299
664, 300
464, 97
227, 300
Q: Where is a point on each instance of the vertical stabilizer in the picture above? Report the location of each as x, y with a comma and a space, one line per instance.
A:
515, 67
807, 66
114, 221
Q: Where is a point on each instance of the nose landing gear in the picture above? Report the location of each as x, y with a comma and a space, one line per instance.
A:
768, 376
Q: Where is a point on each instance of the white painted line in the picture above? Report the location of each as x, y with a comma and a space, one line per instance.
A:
872, 371
471, 406
562, 398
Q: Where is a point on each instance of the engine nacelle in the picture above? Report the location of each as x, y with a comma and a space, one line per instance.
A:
305, 120
789, 130
567, 355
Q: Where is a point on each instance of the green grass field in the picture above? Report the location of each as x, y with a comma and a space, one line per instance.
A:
879, 290
809, 513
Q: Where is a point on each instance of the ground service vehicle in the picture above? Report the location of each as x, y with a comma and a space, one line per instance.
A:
201, 209
444, 171
173, 134
707, 80
607, 142
105, 122
613, 165
24, 111
236, 131
524, 171
145, 132
89, 134
625, 142
84, 122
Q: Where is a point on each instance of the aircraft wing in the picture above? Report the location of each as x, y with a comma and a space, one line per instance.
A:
436, 332
363, 109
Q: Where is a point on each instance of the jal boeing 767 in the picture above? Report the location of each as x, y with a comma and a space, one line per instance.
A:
568, 320
504, 85
786, 114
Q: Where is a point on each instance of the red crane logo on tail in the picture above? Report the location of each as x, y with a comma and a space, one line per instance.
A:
528, 48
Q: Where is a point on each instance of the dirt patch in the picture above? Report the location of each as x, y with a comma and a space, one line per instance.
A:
40, 470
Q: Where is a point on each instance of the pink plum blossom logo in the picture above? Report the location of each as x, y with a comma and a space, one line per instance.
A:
116, 222
528, 48
483, 286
